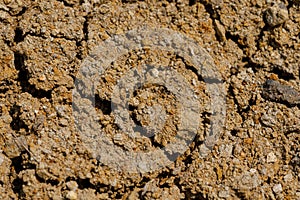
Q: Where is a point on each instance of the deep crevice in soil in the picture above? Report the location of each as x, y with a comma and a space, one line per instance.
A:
17, 123
85, 183
235, 39
209, 9
283, 74
17, 187
21, 12
17, 163
23, 78
252, 65
192, 2
3, 91
52, 182
86, 28
19, 37
103, 105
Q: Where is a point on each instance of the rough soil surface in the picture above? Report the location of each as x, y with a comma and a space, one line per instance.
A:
255, 46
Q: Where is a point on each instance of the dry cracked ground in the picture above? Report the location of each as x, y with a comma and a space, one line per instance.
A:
255, 46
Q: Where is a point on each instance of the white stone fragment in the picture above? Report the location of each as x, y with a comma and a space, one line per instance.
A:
271, 157
71, 195
288, 177
277, 188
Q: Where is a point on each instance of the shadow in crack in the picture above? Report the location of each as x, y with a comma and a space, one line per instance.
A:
23, 78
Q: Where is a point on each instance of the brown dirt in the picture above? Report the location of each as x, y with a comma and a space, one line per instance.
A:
255, 46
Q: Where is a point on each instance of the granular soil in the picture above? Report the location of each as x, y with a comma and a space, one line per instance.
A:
255, 46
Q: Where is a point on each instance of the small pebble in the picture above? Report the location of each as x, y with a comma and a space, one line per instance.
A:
275, 91
271, 157
288, 177
71, 195
43, 29
155, 72
63, 122
42, 78
72, 185
276, 15
220, 30
277, 188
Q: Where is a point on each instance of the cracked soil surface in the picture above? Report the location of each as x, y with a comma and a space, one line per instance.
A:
255, 46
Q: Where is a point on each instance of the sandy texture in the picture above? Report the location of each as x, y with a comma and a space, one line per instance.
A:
255, 47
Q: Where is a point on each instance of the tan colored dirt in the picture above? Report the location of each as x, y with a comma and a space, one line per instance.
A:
255, 46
